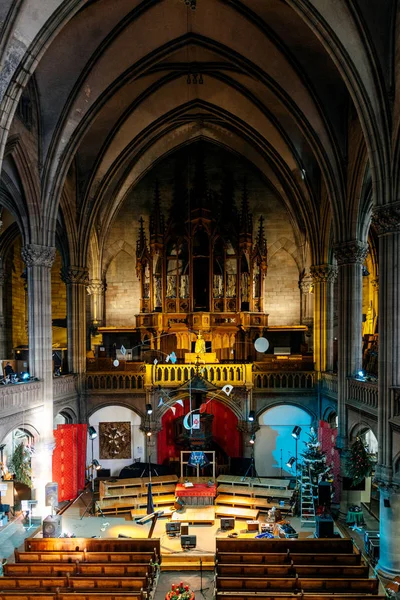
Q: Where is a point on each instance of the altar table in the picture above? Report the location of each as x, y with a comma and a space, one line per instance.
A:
199, 494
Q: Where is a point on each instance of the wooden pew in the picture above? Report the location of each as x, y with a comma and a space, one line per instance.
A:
363, 586
310, 546
292, 570
82, 556
75, 583
284, 557
93, 544
78, 568
22, 595
263, 595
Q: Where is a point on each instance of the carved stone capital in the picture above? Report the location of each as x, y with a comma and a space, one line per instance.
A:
305, 284
35, 255
323, 273
75, 275
350, 253
95, 286
386, 219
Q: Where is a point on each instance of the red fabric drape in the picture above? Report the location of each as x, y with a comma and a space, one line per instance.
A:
224, 430
327, 438
69, 460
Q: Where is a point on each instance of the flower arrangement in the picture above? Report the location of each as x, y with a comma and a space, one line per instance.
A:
180, 591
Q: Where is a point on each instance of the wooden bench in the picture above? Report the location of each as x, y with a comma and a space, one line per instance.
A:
79, 568
282, 558
263, 595
364, 586
309, 546
75, 583
21, 595
292, 570
93, 545
88, 557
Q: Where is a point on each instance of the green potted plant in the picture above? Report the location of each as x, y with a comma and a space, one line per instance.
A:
20, 465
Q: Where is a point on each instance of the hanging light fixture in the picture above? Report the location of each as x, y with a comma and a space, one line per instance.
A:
149, 409
252, 440
251, 416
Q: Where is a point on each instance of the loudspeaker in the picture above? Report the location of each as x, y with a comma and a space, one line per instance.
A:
227, 523
324, 493
184, 528
51, 526
51, 494
324, 527
188, 541
173, 528
103, 473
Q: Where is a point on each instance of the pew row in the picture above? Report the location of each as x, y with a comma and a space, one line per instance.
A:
78, 568
84, 557
309, 546
287, 557
20, 595
93, 545
364, 586
75, 583
292, 570
263, 595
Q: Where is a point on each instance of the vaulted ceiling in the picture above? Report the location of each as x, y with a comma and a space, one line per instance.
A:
300, 88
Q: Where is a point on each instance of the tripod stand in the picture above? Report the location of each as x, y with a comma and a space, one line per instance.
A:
92, 506
151, 470
251, 472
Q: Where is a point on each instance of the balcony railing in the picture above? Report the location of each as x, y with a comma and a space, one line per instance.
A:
15, 397
363, 392
300, 380
64, 386
329, 383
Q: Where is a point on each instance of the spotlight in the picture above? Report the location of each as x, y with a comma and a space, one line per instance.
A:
251, 415
149, 409
291, 462
296, 432
95, 464
25, 376
148, 433
252, 439
92, 432
361, 374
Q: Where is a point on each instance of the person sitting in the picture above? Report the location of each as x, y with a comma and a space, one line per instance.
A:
8, 370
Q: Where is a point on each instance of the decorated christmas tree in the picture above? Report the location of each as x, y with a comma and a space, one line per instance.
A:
314, 460
359, 462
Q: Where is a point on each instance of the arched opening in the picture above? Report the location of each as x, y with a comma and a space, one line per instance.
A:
119, 440
274, 442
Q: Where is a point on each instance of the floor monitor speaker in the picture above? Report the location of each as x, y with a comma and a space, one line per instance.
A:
52, 526
188, 541
227, 523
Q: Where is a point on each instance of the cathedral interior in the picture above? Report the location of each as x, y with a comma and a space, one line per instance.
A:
199, 204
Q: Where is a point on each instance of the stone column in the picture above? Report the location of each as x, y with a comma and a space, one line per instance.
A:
76, 279
307, 308
323, 278
386, 220
96, 289
350, 258
3, 349
38, 260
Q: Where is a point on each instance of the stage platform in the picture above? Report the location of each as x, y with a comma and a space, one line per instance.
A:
195, 515
261, 482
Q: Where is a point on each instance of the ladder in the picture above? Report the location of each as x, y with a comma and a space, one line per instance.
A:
308, 491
